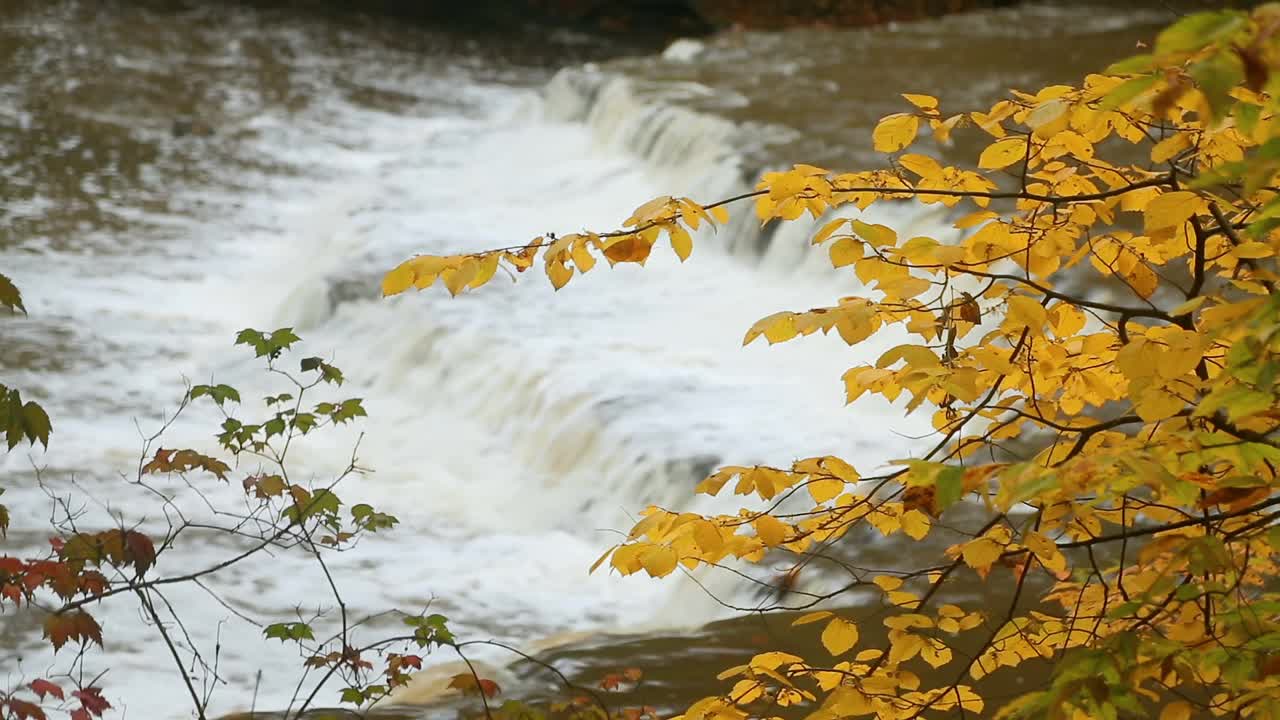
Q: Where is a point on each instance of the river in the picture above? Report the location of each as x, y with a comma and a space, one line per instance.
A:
173, 172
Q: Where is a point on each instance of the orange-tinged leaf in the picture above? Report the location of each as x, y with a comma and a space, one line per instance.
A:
44, 687
73, 625
628, 248
470, 684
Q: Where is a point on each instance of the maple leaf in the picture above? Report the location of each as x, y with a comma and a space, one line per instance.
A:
140, 550
92, 701
23, 710
469, 684
73, 625
44, 687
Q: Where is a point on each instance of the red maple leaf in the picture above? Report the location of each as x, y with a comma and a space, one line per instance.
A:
44, 687
92, 701
23, 710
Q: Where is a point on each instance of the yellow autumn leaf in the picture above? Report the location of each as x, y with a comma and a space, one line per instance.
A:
1169, 147
398, 280
935, 653
887, 583
824, 489
1046, 551
771, 531
583, 260
559, 273
1169, 210
928, 103
1026, 312
681, 242
982, 553
915, 524
1066, 319
961, 697
658, 560
781, 329
845, 251
1253, 250
922, 165
905, 646
1157, 403
707, 536
895, 132
811, 617
828, 230
486, 267
456, 279
1142, 279
1003, 153
839, 636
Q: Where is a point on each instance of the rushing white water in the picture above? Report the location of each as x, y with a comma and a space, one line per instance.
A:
513, 430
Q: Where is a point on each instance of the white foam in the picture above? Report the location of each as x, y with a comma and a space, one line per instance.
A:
511, 429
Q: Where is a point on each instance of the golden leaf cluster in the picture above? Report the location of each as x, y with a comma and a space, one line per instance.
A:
1100, 354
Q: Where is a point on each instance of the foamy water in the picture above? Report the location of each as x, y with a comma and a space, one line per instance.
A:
513, 430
